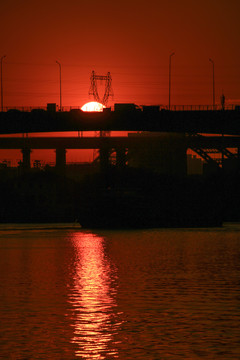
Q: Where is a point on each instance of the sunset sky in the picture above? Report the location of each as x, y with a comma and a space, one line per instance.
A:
131, 38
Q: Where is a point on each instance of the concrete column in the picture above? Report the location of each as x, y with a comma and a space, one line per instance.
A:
61, 160
26, 161
104, 158
121, 158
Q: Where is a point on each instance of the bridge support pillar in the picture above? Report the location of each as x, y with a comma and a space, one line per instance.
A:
121, 157
61, 160
104, 153
26, 161
104, 158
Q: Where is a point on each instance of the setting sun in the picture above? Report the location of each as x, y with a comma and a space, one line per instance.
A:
93, 106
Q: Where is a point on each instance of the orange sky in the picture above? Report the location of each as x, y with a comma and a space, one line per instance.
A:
131, 39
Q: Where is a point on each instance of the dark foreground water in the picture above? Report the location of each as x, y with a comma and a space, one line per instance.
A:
155, 294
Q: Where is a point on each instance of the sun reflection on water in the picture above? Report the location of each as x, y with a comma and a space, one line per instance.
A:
93, 299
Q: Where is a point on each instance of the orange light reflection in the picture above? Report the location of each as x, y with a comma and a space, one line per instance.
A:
93, 299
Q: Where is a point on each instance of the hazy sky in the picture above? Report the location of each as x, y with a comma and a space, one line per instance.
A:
131, 39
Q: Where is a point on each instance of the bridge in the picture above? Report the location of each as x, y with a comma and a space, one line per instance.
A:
204, 142
189, 122
125, 118
122, 145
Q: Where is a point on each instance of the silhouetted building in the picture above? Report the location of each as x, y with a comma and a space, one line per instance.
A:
164, 153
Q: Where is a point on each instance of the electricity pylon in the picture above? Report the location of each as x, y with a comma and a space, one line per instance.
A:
94, 91
108, 87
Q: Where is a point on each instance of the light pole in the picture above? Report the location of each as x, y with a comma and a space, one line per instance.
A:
170, 63
2, 82
60, 76
213, 83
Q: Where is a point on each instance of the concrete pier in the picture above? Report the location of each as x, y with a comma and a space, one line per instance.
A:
26, 158
121, 157
60, 160
104, 152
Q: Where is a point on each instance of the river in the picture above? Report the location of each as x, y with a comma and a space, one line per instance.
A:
68, 293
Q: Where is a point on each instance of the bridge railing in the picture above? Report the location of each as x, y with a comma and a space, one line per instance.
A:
31, 108
161, 107
24, 108
202, 107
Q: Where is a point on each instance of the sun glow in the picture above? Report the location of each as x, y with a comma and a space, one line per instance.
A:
93, 106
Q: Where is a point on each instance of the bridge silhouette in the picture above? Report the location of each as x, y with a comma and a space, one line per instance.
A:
148, 163
148, 118
126, 117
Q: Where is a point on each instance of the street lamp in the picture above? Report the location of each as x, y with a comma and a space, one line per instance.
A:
2, 82
170, 63
60, 76
213, 83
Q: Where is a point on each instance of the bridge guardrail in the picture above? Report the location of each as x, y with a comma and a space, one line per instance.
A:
161, 107
203, 107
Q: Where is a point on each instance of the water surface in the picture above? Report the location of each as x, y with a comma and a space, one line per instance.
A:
150, 294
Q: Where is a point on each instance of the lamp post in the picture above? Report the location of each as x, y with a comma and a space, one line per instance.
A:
170, 63
2, 82
213, 83
60, 77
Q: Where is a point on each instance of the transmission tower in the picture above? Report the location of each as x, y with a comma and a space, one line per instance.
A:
94, 91
108, 87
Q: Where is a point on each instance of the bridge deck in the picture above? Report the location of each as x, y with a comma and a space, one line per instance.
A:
209, 121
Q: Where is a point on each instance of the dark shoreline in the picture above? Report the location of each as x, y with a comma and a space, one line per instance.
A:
164, 200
